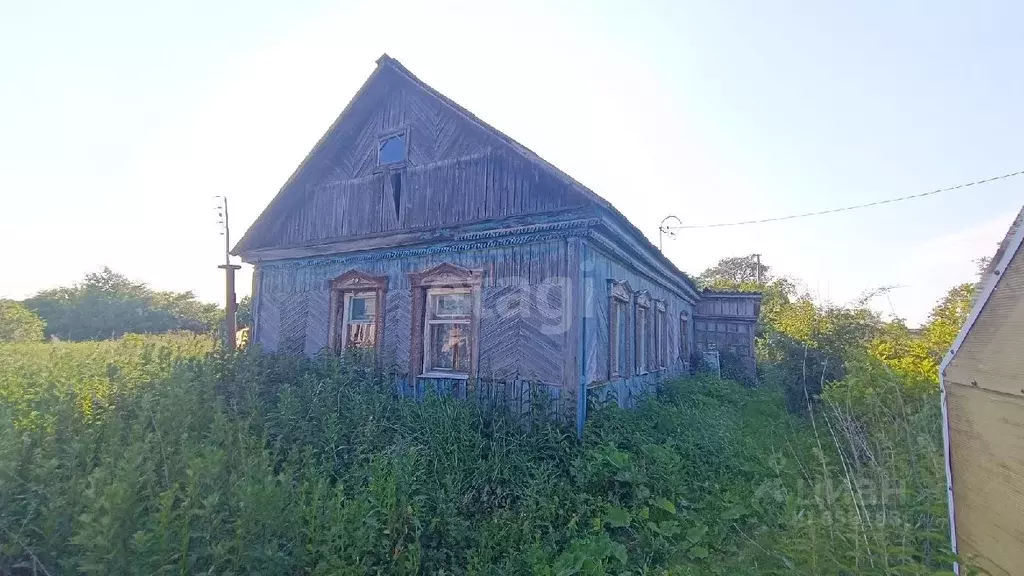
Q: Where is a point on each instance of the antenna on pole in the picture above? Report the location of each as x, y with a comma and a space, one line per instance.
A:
230, 303
662, 229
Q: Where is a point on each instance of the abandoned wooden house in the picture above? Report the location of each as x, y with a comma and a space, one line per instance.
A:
982, 380
417, 230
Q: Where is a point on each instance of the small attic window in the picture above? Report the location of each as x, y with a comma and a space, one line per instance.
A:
392, 148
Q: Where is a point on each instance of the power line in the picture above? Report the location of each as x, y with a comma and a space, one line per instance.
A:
855, 207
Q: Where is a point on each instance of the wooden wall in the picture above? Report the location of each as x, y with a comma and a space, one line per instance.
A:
984, 384
598, 267
457, 172
524, 296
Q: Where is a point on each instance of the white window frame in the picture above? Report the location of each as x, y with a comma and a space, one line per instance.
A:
428, 370
346, 313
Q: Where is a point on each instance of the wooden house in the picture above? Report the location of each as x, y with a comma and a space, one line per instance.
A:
417, 230
982, 381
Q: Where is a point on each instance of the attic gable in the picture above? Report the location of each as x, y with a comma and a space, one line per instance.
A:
391, 101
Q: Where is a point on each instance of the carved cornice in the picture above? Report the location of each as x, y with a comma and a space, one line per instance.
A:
427, 250
445, 274
643, 299
620, 290
358, 280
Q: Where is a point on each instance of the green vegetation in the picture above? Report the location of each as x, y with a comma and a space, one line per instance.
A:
19, 324
162, 454
113, 461
108, 305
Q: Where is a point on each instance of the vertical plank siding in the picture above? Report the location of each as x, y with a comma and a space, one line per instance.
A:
600, 267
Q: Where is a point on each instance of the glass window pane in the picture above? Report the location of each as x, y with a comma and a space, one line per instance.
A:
456, 305
449, 347
361, 335
362, 308
622, 327
392, 149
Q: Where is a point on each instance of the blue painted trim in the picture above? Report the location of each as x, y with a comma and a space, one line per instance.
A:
580, 232
581, 396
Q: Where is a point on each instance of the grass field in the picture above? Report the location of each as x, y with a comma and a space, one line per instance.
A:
152, 456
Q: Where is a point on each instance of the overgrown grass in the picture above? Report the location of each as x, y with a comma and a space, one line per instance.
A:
111, 462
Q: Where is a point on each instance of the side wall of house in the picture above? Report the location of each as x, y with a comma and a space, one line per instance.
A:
524, 326
599, 266
984, 384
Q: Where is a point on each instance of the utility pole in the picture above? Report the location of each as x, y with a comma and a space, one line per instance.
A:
757, 258
230, 304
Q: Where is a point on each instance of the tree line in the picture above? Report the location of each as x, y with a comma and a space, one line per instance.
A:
106, 305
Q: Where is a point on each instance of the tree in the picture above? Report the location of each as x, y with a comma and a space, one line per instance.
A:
732, 273
946, 319
18, 323
107, 305
244, 312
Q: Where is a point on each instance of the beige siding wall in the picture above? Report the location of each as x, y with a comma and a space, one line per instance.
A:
985, 389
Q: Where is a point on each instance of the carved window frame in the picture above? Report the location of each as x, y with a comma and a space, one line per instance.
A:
620, 295
684, 338
642, 333
660, 347
443, 278
343, 288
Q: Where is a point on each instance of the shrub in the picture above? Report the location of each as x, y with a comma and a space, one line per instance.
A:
141, 456
19, 324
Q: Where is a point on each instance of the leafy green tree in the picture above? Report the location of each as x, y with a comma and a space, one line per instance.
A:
946, 318
107, 305
734, 272
18, 323
244, 314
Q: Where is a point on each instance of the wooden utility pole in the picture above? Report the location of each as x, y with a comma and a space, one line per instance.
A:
230, 303
757, 258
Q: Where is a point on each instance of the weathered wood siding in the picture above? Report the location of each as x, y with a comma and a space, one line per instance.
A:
457, 172
523, 326
485, 186
984, 385
726, 322
598, 268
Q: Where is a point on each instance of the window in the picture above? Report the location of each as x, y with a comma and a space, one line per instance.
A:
446, 339
618, 329
643, 333
356, 302
445, 322
360, 320
392, 148
684, 338
660, 336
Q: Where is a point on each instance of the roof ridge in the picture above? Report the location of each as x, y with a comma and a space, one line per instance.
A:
393, 63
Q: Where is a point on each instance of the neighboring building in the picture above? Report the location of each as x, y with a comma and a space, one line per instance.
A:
982, 381
417, 230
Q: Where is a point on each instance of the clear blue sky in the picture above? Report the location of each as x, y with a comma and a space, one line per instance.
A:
120, 121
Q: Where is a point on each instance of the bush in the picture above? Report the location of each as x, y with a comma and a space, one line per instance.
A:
114, 461
19, 324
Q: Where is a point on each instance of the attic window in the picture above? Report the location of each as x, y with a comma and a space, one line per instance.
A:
392, 148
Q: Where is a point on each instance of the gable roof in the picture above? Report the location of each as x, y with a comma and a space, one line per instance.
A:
386, 62
993, 274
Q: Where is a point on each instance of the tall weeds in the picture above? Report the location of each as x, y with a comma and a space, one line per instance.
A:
261, 464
